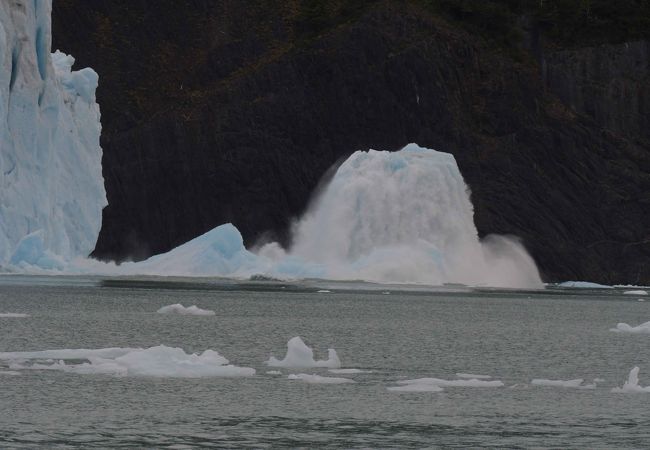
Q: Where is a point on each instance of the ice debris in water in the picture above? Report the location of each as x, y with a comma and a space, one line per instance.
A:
159, 361
348, 371
584, 285
436, 384
636, 292
576, 383
317, 379
644, 328
273, 372
299, 355
473, 376
182, 310
631, 386
14, 315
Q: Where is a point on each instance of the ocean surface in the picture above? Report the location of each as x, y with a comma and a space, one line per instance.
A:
391, 333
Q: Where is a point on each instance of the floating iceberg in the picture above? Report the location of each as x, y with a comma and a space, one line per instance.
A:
631, 386
437, 384
473, 376
577, 383
299, 355
416, 387
14, 315
317, 379
51, 185
644, 328
160, 361
348, 371
182, 310
454, 383
636, 292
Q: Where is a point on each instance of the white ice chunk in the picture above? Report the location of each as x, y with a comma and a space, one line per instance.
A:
416, 387
453, 383
636, 292
182, 310
299, 355
323, 291
159, 361
9, 373
348, 371
473, 376
584, 285
317, 379
15, 315
644, 328
577, 383
631, 386
273, 372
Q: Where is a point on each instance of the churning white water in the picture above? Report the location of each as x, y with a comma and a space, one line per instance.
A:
405, 216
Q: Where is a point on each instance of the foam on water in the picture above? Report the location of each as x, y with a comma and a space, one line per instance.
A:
159, 361
299, 355
182, 310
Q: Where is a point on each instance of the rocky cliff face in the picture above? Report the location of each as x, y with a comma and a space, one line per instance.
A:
609, 84
224, 112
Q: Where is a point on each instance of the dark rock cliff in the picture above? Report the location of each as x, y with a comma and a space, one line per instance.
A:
230, 111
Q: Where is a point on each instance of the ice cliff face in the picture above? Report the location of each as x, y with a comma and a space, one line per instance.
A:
51, 184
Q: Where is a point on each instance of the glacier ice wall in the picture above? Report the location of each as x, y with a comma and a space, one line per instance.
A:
51, 185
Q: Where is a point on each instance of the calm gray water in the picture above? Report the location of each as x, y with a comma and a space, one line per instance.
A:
512, 336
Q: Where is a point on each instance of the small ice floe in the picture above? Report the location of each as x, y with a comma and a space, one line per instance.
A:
182, 310
323, 291
9, 373
317, 379
13, 315
644, 328
584, 285
299, 355
640, 299
575, 384
348, 371
273, 372
159, 361
416, 387
437, 384
472, 376
631, 386
385, 292
636, 292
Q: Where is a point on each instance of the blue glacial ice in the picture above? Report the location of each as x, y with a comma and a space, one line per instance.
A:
51, 185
